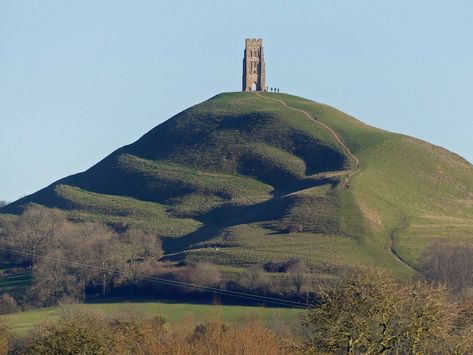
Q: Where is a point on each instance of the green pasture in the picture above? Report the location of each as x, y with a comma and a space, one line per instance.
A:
173, 313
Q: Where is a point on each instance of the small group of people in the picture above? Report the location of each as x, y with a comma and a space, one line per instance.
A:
272, 89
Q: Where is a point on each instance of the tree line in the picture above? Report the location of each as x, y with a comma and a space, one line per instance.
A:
66, 259
74, 260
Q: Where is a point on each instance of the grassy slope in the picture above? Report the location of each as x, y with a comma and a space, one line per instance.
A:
219, 174
425, 190
191, 314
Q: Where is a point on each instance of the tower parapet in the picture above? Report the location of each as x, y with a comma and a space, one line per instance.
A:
254, 68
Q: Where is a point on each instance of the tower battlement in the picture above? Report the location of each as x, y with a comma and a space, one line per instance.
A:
254, 68
254, 41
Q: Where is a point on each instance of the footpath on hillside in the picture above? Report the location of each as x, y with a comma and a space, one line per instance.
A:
354, 169
356, 162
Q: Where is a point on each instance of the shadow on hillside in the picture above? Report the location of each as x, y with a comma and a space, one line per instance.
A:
231, 215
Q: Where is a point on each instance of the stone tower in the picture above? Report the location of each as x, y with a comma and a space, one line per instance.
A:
254, 73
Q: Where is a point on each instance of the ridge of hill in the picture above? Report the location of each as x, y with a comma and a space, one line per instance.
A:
246, 178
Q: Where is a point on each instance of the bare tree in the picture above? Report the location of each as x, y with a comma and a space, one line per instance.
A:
8, 304
109, 263
33, 231
450, 263
81, 255
205, 274
372, 313
297, 273
93, 249
256, 280
53, 280
140, 252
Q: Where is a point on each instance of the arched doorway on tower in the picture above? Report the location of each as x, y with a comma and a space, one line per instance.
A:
253, 86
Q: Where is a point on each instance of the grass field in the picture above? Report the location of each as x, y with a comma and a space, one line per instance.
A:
173, 313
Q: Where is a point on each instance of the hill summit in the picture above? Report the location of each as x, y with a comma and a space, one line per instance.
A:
247, 178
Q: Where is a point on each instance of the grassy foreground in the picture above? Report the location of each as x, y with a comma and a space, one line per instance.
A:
194, 314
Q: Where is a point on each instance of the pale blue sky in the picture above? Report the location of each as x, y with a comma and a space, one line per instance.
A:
79, 79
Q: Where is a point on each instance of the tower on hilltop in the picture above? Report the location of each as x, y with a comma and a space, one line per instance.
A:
254, 73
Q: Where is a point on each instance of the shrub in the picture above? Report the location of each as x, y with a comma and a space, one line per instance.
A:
256, 280
5, 338
246, 339
283, 266
87, 333
295, 228
7, 304
203, 274
450, 264
77, 333
273, 266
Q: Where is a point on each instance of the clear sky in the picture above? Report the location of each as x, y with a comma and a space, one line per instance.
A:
79, 79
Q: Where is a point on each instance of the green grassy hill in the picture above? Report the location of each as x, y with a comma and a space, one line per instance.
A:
240, 170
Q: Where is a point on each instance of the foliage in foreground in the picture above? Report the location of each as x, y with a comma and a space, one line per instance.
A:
365, 313
88, 333
5, 339
372, 313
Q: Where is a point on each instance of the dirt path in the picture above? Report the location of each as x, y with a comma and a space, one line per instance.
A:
393, 251
392, 236
356, 162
